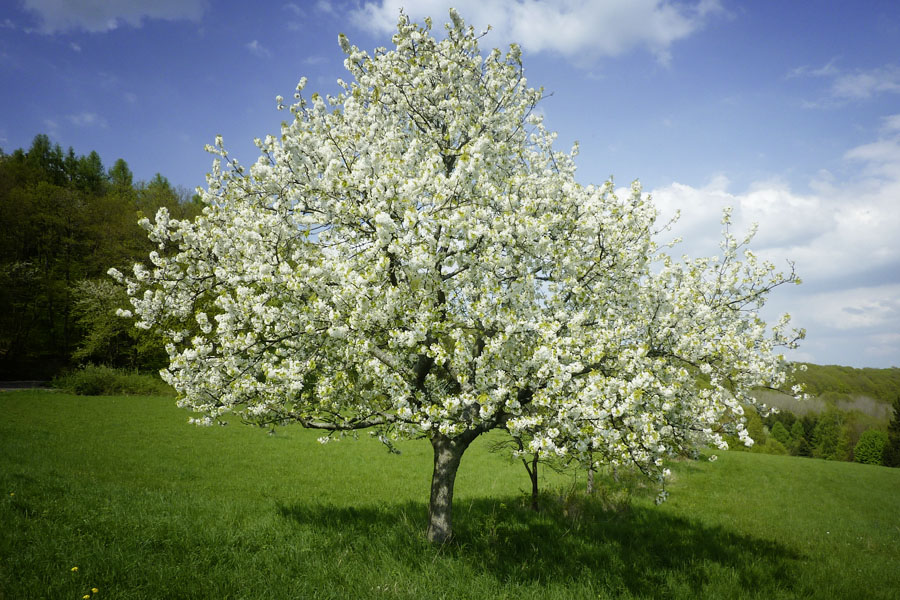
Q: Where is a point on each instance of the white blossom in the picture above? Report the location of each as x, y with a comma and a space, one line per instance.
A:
414, 255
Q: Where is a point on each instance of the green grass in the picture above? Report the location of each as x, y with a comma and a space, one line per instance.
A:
148, 507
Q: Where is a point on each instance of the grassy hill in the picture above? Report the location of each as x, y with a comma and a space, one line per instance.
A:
146, 506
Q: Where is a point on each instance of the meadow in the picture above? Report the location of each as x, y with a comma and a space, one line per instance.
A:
146, 506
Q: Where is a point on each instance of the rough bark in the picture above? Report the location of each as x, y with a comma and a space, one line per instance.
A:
447, 455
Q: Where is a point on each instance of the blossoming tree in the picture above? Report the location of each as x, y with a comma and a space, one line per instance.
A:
413, 257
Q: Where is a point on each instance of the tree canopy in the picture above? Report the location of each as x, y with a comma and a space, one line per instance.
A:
63, 222
413, 256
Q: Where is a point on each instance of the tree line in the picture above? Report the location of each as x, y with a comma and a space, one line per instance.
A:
831, 435
832, 381
65, 219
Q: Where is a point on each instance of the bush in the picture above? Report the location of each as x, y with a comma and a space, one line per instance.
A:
870, 448
771, 446
93, 380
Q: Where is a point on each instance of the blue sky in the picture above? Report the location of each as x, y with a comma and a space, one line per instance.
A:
787, 111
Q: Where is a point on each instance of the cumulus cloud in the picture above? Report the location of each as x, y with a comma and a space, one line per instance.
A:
843, 226
842, 237
579, 29
100, 15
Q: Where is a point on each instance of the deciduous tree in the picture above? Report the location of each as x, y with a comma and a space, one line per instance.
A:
413, 256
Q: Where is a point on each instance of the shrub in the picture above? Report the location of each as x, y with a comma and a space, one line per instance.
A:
771, 446
870, 448
100, 380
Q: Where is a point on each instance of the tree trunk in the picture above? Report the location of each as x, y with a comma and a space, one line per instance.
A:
533, 475
447, 454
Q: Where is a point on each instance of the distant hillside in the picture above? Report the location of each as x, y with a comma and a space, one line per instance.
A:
869, 391
834, 380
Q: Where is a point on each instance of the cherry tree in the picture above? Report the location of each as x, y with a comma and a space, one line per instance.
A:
413, 257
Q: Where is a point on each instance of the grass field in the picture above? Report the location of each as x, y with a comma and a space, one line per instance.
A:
146, 506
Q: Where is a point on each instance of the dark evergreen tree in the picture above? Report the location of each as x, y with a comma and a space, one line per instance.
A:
892, 449
799, 445
827, 439
781, 433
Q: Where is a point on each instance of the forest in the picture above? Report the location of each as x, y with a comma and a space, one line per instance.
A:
65, 219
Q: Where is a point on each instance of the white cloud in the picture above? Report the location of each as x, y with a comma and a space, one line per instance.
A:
293, 8
846, 86
100, 15
880, 158
843, 237
258, 49
87, 119
75, 47
865, 320
892, 124
875, 308
839, 229
827, 70
294, 24
865, 84
326, 7
783, 216
580, 29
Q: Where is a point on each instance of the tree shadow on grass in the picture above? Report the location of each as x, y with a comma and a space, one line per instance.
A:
641, 550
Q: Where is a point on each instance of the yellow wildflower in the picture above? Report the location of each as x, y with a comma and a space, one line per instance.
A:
74, 569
